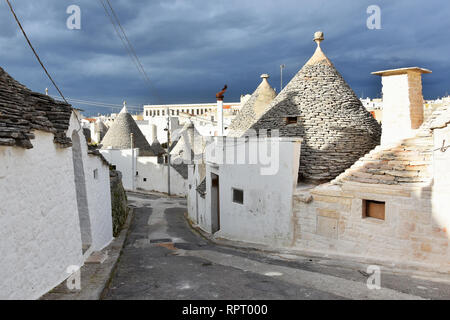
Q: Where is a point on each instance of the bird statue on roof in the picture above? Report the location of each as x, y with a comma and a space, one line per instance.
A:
220, 95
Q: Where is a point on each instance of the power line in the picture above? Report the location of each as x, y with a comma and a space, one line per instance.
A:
34, 51
127, 44
98, 104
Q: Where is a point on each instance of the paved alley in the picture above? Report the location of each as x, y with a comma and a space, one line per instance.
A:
164, 259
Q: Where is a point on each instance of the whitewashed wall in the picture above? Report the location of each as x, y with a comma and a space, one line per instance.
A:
98, 193
99, 200
441, 187
145, 167
156, 177
333, 224
123, 161
195, 203
40, 235
265, 215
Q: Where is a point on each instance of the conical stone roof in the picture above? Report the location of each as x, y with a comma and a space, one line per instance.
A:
320, 107
189, 144
253, 108
119, 135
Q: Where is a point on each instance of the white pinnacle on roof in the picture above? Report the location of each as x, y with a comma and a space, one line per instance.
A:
124, 109
253, 108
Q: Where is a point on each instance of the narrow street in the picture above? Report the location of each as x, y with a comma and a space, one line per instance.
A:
163, 258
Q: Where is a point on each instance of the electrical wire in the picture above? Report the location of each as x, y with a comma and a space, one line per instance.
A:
120, 31
40, 61
34, 51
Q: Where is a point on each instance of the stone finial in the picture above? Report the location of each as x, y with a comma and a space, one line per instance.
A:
46, 91
318, 37
265, 76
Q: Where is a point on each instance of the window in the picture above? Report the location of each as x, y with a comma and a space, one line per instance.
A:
373, 209
145, 179
291, 120
157, 112
178, 112
96, 174
238, 196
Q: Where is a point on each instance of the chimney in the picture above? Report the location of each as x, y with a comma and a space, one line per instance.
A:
402, 103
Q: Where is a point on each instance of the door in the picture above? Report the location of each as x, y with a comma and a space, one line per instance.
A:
215, 203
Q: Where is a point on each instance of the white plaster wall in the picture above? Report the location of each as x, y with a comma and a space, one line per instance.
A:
99, 201
161, 124
40, 235
195, 203
98, 193
441, 173
123, 160
146, 129
265, 215
156, 177
396, 113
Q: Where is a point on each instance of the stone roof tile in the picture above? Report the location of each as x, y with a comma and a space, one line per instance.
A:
22, 111
320, 107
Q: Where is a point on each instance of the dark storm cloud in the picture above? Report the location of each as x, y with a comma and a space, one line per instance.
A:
191, 48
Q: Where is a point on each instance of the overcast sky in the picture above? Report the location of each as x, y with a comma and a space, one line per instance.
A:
190, 49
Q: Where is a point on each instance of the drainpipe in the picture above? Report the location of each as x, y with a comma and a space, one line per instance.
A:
133, 170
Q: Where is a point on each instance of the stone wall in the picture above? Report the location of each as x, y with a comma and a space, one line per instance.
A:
336, 129
333, 224
118, 202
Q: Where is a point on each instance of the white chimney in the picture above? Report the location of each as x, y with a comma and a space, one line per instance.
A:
402, 103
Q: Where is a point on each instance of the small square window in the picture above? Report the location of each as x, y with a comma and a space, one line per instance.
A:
238, 196
291, 120
145, 179
373, 209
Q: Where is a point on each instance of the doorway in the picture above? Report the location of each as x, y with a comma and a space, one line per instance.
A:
215, 203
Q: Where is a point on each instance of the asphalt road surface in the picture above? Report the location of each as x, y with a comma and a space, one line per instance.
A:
163, 258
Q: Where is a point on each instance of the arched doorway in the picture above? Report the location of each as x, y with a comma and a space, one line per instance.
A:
80, 185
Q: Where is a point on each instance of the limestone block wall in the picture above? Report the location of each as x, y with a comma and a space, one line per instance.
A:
333, 223
40, 235
118, 201
402, 104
